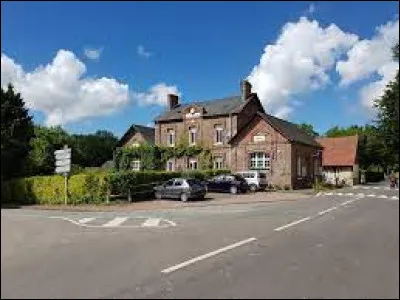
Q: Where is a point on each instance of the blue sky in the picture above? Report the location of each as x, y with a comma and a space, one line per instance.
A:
324, 61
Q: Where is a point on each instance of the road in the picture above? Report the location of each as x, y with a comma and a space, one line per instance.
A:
339, 245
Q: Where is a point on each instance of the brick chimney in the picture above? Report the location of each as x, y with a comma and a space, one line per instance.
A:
173, 101
245, 87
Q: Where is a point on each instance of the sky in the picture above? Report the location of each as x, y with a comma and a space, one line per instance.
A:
91, 66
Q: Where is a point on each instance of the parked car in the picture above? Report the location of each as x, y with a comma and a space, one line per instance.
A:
231, 183
257, 180
181, 188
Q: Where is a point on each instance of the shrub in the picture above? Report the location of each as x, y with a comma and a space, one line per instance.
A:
82, 188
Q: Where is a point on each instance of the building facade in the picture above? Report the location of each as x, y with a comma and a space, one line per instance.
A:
340, 162
240, 136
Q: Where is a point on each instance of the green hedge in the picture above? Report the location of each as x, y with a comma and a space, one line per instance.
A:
90, 187
374, 176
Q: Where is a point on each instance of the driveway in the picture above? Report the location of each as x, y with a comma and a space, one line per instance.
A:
329, 246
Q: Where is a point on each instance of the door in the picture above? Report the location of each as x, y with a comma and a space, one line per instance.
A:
215, 184
176, 190
168, 187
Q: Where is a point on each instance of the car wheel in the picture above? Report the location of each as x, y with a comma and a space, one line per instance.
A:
253, 188
184, 197
233, 190
158, 195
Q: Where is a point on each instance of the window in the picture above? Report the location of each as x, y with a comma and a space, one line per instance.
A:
192, 135
135, 165
193, 164
218, 162
260, 160
170, 182
219, 134
170, 137
178, 183
170, 165
304, 168
299, 165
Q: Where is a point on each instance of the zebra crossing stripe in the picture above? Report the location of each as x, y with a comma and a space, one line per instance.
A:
151, 222
85, 220
115, 222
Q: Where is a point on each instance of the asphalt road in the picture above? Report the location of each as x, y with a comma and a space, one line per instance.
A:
342, 245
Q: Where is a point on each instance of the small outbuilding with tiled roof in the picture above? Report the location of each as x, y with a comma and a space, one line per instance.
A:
340, 159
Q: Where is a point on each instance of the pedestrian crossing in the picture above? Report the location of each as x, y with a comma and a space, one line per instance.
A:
119, 222
361, 195
386, 188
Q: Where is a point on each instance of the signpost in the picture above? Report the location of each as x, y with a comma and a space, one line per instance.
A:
63, 166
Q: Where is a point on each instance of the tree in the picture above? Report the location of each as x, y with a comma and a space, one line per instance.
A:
92, 150
16, 133
308, 128
45, 142
387, 120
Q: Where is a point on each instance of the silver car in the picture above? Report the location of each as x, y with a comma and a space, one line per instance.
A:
181, 188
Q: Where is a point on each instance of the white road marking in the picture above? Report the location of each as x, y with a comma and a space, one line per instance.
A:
115, 222
207, 255
291, 224
382, 196
371, 195
349, 194
395, 198
327, 210
151, 222
329, 194
319, 194
348, 201
85, 220
365, 188
339, 194
376, 188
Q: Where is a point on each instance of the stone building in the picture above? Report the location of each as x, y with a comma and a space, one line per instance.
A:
241, 136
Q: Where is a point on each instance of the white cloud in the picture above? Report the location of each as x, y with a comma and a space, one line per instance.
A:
368, 58
143, 52
60, 91
297, 62
157, 94
93, 54
311, 8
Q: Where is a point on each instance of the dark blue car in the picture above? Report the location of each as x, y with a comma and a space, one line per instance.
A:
228, 183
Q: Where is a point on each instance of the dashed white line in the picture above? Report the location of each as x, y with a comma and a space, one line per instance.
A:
85, 220
327, 210
115, 222
349, 194
339, 194
207, 255
348, 201
371, 195
394, 197
151, 222
382, 196
291, 224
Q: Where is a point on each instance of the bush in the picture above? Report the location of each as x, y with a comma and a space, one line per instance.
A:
91, 187
82, 188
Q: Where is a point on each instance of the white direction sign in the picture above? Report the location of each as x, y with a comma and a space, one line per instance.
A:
63, 169
63, 160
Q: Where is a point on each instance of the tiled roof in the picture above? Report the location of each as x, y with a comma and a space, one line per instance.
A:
215, 107
289, 130
339, 151
147, 132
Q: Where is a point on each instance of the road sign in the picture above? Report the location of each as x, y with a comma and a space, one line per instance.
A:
63, 169
63, 162
63, 165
